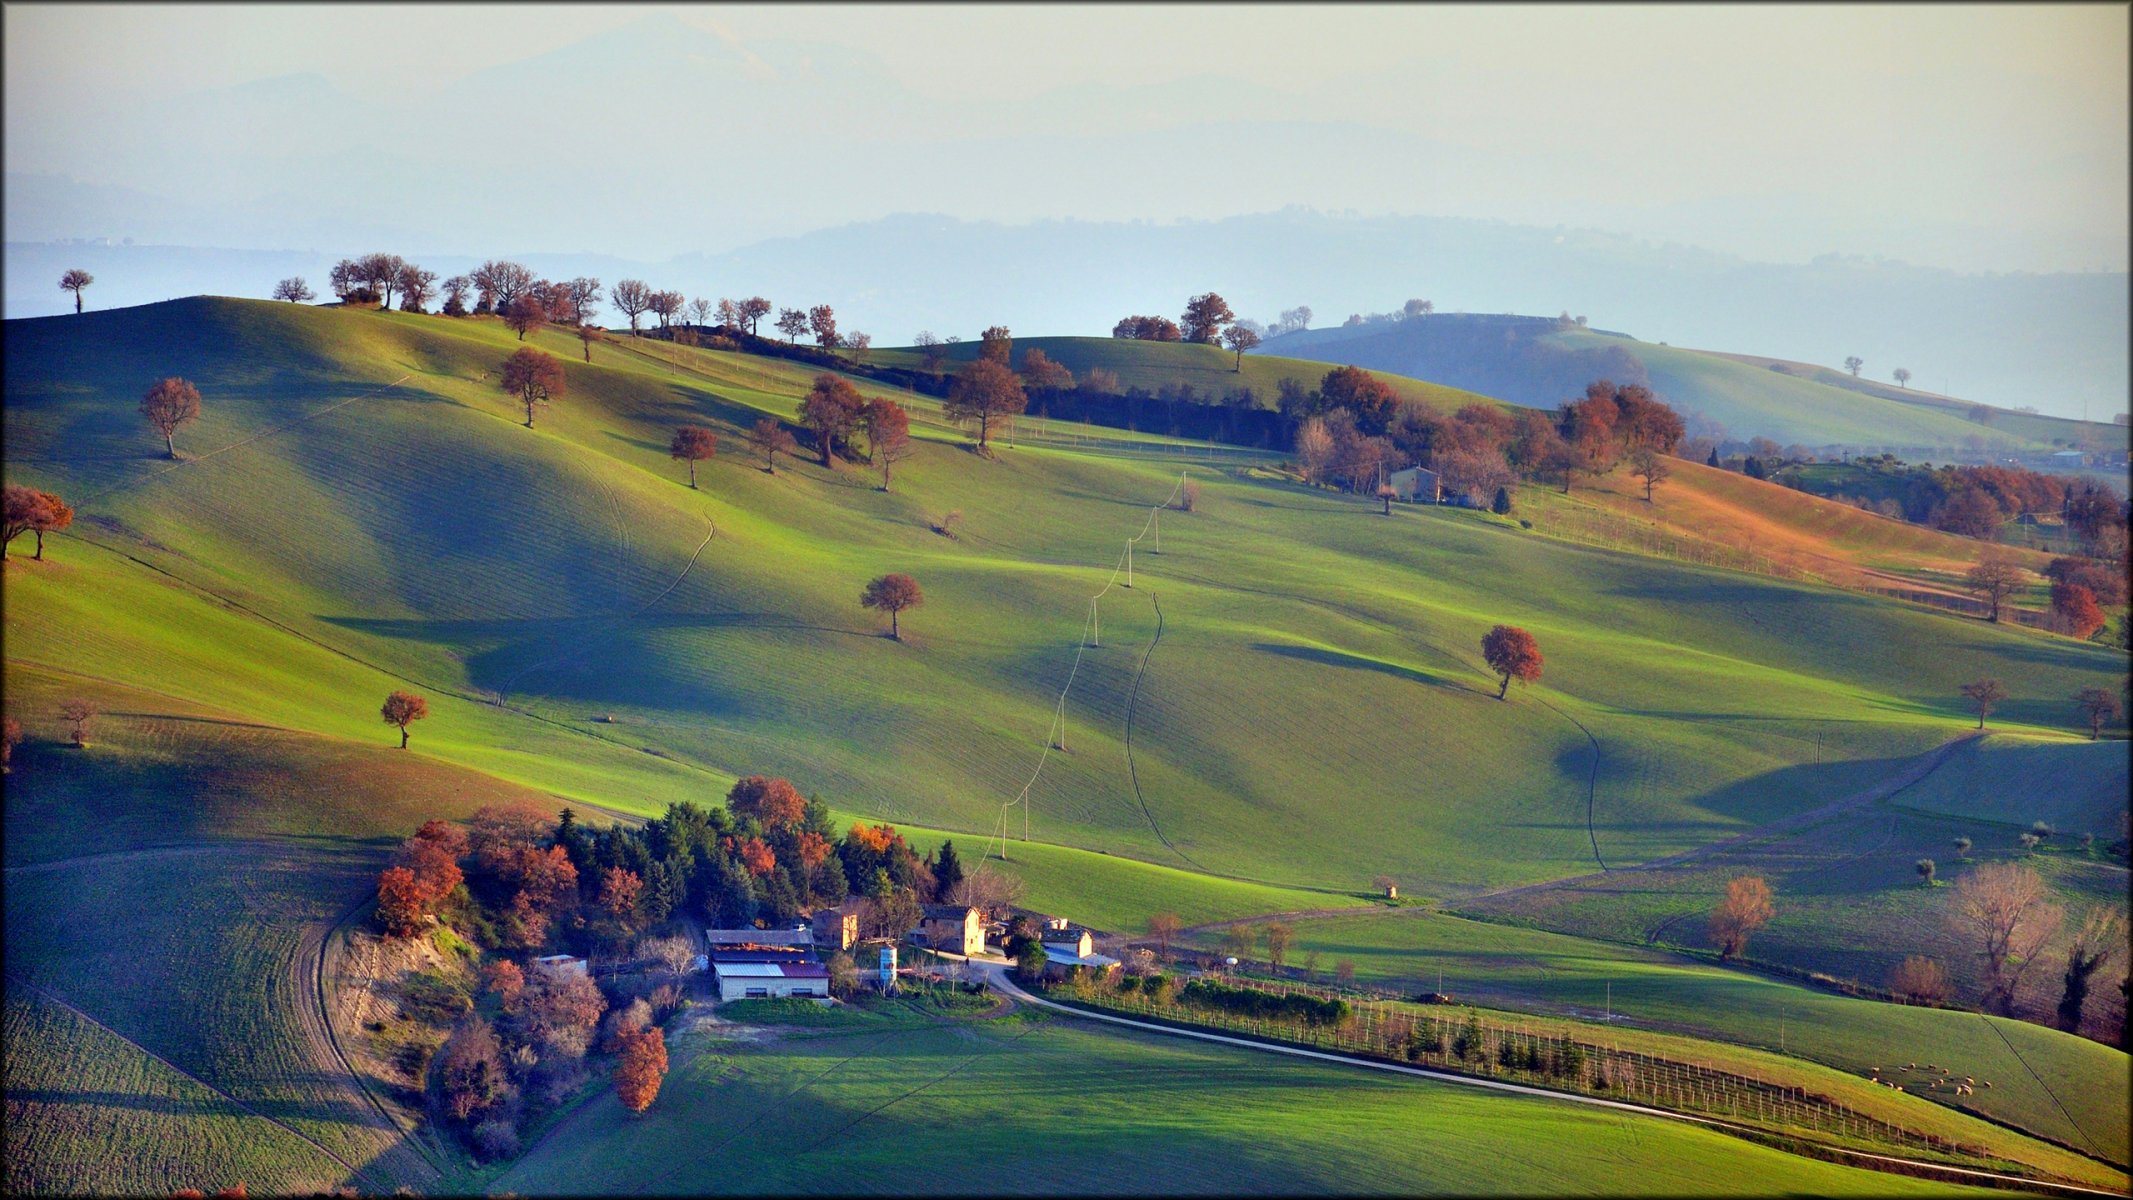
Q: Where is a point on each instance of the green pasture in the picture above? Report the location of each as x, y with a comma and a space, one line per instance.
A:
2033, 1070
553, 568
1086, 1111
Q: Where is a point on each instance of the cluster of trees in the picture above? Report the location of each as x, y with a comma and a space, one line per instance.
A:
1354, 428
31, 511
835, 413
1207, 320
497, 287
524, 1053
1973, 501
2080, 588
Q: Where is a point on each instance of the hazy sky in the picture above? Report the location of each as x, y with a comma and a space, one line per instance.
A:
1976, 137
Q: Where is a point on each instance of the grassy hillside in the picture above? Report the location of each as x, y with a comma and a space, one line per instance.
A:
566, 569
2034, 427
1535, 970
1531, 361
1210, 371
843, 1111
359, 509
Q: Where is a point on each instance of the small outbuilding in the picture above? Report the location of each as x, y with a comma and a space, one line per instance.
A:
1417, 484
1062, 940
563, 962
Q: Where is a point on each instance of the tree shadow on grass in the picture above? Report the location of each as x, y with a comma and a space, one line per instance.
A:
1335, 658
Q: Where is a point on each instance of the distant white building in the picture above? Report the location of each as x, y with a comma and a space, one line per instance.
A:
563, 962
768, 980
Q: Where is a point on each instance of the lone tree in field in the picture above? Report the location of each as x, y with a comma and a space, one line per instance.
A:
1745, 908
74, 281
792, 322
2098, 706
404, 709
1240, 338
888, 434
1853, 364
170, 403
892, 594
985, 391
1649, 465
1926, 868
770, 439
640, 1068
693, 444
81, 714
588, 334
831, 408
1164, 926
534, 376
33, 511
1984, 695
1996, 576
2002, 908
1512, 653
294, 290
2100, 936
1903, 377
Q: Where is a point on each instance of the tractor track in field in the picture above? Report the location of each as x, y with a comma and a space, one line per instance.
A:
317, 1022
54, 998
1132, 702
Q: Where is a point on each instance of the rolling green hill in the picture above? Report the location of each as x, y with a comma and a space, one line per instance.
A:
1210, 371
1288, 700
1533, 361
566, 569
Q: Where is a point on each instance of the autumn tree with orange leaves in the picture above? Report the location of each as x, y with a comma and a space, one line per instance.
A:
773, 803
640, 1068
404, 709
1512, 653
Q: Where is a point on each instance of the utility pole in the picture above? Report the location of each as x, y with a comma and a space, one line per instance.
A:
1610, 999
1096, 628
1129, 562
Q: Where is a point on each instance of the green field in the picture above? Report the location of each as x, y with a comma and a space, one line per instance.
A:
1635, 989
359, 511
87, 1112
1086, 1112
